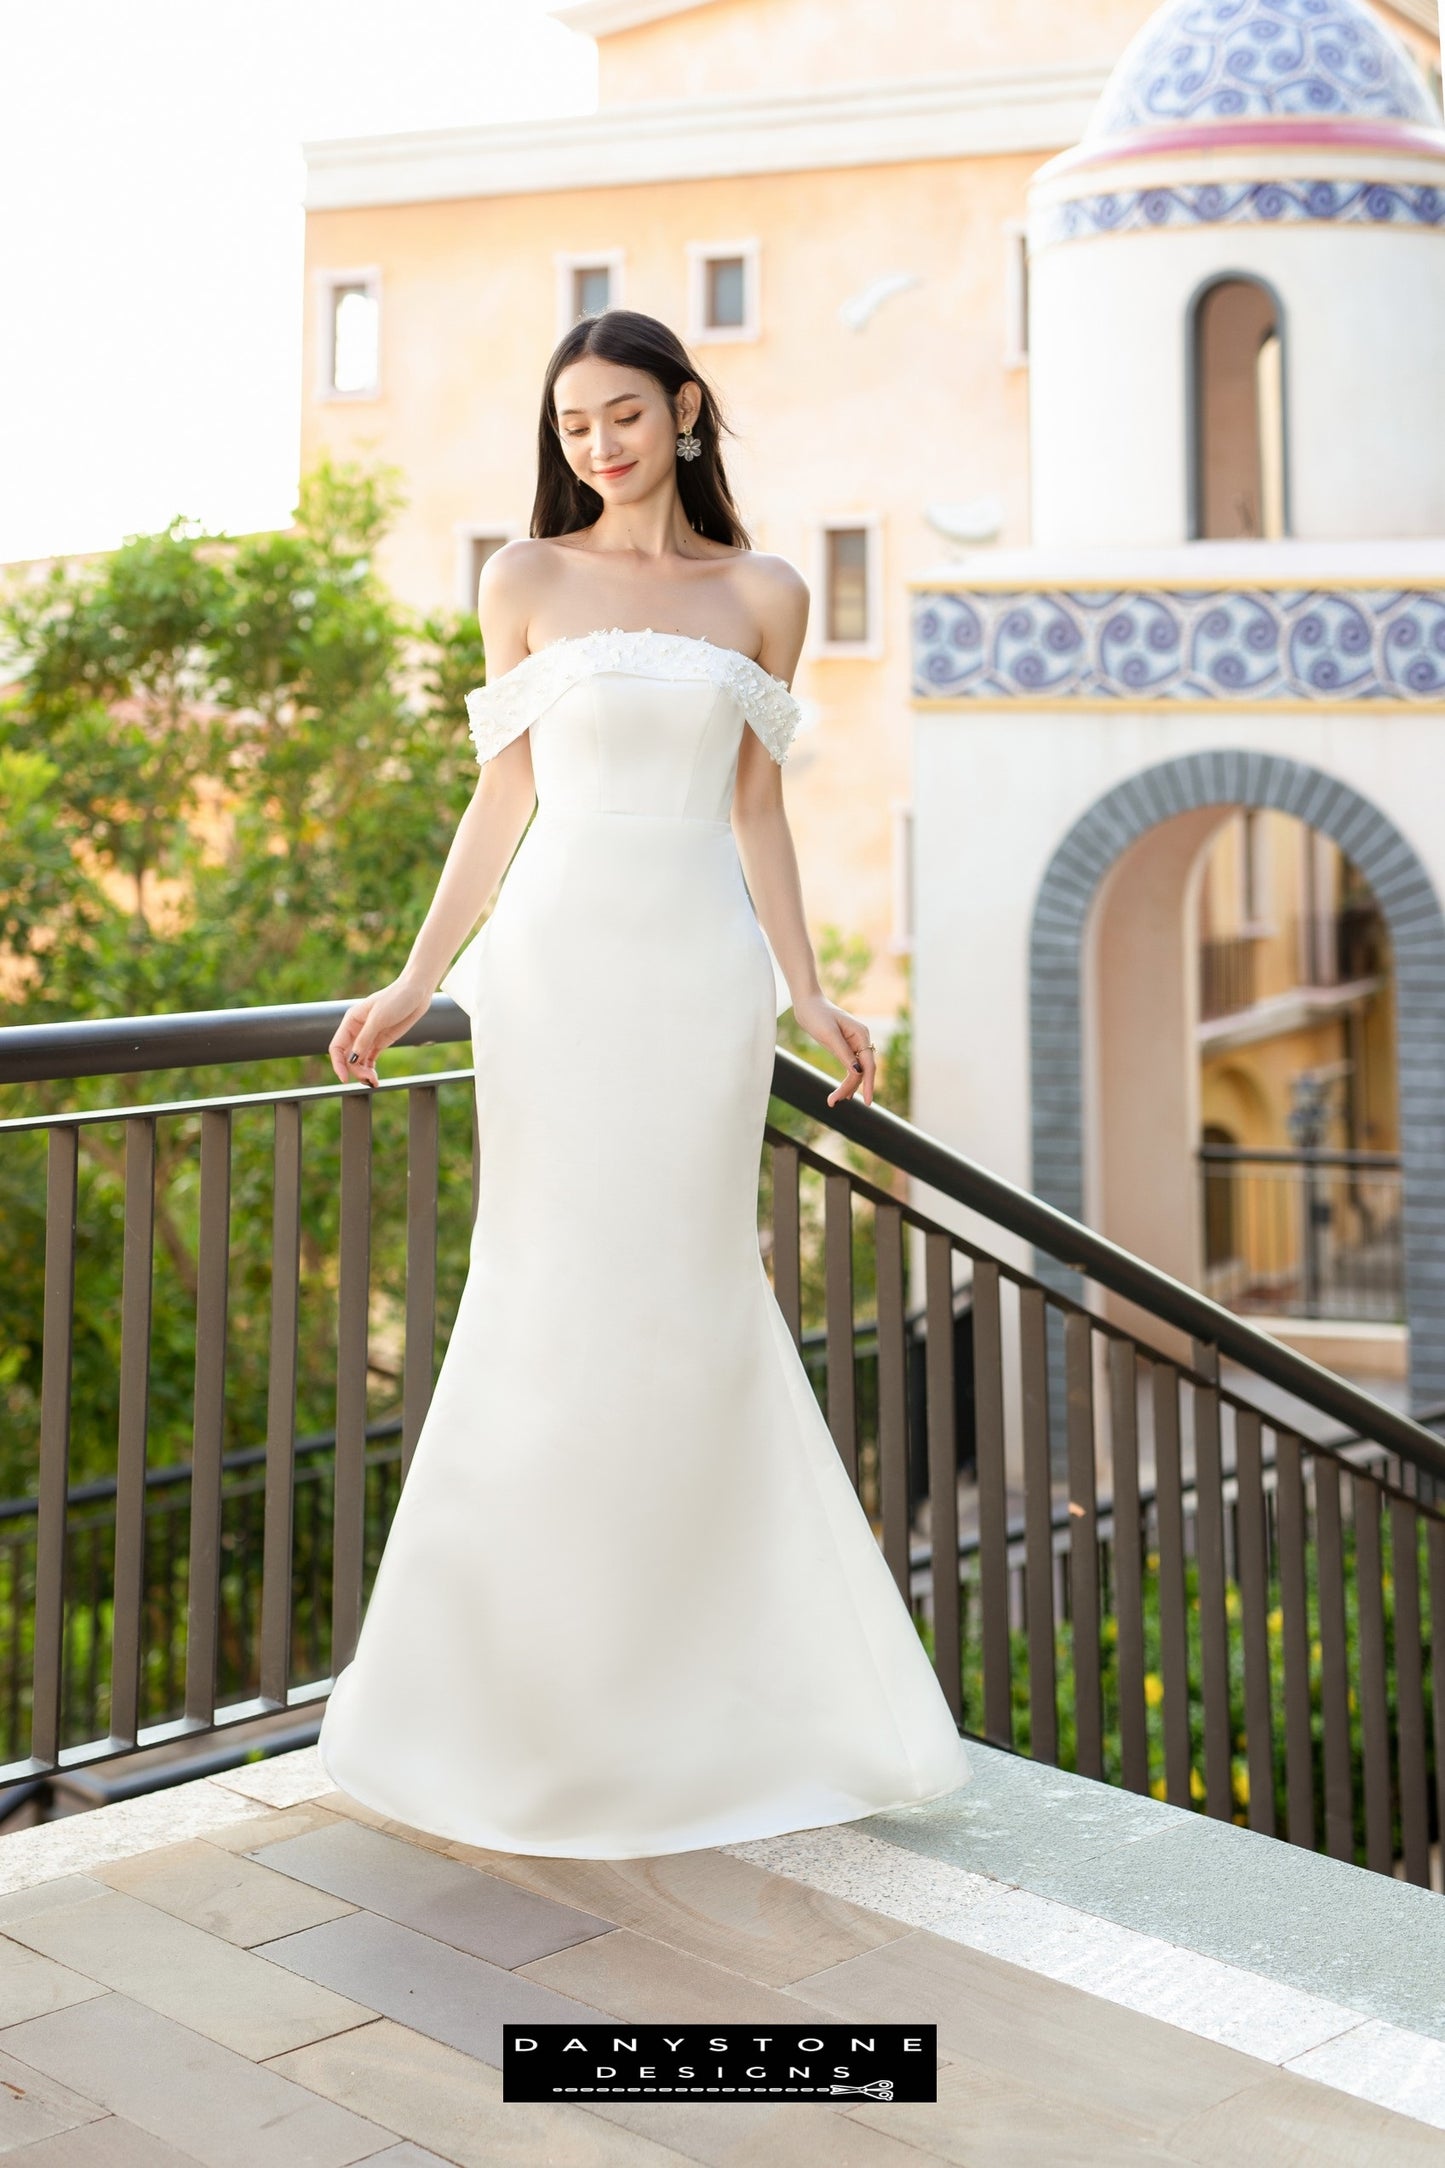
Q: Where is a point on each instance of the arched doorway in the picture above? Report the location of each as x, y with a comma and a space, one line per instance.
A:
1210, 787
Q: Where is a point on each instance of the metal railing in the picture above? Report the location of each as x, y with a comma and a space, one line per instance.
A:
1178, 1578
1304, 1234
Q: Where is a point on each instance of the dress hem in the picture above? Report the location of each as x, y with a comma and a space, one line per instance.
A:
706, 1844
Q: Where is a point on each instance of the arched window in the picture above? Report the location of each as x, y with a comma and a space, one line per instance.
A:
1236, 411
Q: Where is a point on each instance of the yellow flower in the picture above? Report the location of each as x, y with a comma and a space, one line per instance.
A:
1196, 1785
1158, 1789
1151, 1563
1153, 1689
1275, 1620
1231, 1602
1317, 1652
1241, 1785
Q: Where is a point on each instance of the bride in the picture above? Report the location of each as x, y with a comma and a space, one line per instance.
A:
629, 1603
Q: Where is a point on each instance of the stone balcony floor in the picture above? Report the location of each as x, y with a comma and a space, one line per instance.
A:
252, 1969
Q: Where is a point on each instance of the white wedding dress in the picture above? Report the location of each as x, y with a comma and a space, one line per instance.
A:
629, 1603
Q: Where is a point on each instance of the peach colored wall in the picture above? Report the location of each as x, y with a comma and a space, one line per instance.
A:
1142, 1078
745, 45
915, 409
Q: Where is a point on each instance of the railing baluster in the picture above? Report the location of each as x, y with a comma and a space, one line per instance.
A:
279, 1531
209, 1433
1173, 1616
1294, 1605
838, 1301
422, 1176
137, 1282
1254, 1606
1083, 1543
1410, 1692
943, 1469
52, 1504
892, 1386
992, 1503
1038, 1525
1374, 1684
1128, 1563
1213, 1618
353, 1295
1334, 1663
788, 1239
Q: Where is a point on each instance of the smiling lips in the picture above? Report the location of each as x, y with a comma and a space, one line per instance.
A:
611, 473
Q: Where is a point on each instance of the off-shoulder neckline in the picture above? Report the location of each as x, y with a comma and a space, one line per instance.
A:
619, 632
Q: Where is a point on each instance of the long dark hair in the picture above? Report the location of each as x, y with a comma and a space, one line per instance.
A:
564, 502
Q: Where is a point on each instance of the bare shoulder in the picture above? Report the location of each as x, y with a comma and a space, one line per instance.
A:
512, 583
515, 571
777, 596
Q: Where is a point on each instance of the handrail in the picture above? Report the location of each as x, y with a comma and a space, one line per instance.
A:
195, 1039
31, 1053
1082, 1250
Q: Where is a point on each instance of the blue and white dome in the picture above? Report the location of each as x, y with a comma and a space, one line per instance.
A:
1201, 61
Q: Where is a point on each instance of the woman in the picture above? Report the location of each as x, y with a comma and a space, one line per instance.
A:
629, 1603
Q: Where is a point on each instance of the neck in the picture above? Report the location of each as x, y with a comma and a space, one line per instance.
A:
652, 529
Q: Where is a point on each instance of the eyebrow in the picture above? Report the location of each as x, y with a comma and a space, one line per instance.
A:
617, 401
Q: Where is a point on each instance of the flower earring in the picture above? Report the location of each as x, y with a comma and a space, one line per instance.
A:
689, 446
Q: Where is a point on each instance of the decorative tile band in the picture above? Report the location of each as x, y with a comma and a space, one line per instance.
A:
1140, 645
1240, 203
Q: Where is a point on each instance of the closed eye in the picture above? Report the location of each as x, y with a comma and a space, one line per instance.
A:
623, 418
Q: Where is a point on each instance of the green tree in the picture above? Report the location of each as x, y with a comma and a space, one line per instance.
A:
233, 767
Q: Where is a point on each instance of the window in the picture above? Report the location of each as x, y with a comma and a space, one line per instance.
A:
475, 544
722, 289
349, 345
587, 284
847, 576
1016, 294
1237, 413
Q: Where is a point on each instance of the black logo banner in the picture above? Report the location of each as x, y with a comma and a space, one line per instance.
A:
616, 2061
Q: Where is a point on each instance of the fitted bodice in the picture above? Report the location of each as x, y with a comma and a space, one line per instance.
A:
634, 722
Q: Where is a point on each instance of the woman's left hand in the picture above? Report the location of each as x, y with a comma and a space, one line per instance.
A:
845, 1036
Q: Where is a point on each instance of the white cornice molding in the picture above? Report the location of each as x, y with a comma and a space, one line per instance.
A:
599, 18
857, 124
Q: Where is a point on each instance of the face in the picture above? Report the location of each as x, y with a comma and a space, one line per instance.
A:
617, 427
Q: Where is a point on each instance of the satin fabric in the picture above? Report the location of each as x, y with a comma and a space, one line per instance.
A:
629, 1603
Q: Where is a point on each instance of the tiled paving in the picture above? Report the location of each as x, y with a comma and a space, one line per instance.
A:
256, 1969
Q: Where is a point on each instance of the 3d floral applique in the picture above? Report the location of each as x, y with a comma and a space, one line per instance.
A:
501, 710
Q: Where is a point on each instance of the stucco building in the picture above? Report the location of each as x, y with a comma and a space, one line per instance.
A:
1087, 359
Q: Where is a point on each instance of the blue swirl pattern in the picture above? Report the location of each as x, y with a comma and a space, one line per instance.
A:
1240, 203
1238, 59
1252, 646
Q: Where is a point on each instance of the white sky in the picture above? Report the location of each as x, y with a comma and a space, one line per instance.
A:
151, 188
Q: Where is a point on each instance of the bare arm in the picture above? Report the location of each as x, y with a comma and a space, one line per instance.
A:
481, 850
770, 860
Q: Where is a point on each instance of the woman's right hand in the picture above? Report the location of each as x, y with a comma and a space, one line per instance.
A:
373, 1023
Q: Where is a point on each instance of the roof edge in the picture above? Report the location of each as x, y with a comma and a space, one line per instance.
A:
603, 18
